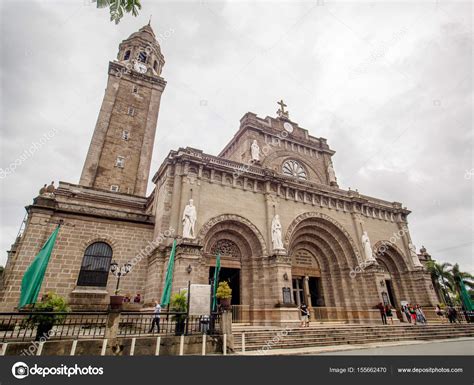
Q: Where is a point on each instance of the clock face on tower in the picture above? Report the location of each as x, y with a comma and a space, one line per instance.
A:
140, 67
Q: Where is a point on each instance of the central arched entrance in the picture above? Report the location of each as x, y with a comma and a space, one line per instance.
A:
322, 256
241, 247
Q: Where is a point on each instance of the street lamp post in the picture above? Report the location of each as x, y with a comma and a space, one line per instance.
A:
119, 272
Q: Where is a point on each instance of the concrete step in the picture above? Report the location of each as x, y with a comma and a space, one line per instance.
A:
279, 338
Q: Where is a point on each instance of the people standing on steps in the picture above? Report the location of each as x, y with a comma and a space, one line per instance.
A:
412, 311
381, 308
388, 313
420, 316
304, 311
440, 313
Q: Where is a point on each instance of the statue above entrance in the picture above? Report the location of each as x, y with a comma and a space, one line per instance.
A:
189, 219
414, 256
368, 253
276, 233
255, 151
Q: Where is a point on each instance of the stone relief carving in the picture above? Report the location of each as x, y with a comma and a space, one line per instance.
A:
236, 218
226, 247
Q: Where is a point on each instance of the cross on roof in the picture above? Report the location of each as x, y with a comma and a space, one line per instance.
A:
282, 106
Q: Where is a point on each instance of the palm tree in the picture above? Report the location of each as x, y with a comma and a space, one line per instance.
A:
442, 279
461, 278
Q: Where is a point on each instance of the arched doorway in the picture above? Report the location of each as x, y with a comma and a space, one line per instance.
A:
393, 268
241, 246
322, 253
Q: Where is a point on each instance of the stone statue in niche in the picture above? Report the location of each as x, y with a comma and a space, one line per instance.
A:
414, 256
255, 151
332, 175
189, 220
276, 233
368, 253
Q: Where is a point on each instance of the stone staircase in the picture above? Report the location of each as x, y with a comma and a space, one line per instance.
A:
332, 335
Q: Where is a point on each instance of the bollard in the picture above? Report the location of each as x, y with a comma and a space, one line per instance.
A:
104, 347
158, 342
224, 345
132, 347
40, 348
243, 342
203, 344
181, 345
73, 348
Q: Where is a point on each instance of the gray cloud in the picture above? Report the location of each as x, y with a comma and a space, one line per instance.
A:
389, 86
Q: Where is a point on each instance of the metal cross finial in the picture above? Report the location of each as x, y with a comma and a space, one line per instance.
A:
149, 21
281, 111
282, 105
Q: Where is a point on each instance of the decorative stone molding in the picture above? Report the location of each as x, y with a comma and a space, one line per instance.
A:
235, 218
399, 260
308, 215
225, 247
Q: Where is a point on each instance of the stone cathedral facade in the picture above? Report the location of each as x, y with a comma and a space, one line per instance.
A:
269, 203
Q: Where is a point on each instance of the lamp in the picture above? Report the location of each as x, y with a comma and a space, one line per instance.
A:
189, 269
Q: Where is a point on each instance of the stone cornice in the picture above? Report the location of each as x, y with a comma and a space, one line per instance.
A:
282, 186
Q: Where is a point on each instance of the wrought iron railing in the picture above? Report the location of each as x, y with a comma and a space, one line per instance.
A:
42, 326
137, 324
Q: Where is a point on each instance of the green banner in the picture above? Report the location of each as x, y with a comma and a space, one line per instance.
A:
216, 280
165, 297
33, 277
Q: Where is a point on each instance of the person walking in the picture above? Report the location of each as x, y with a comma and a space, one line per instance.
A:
156, 318
440, 313
389, 313
381, 308
304, 315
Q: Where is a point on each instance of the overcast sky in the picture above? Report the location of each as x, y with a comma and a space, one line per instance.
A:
388, 84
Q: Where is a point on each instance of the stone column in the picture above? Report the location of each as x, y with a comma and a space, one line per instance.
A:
188, 264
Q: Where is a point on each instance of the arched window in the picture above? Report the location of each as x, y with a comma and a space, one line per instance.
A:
127, 55
294, 169
142, 57
155, 66
95, 265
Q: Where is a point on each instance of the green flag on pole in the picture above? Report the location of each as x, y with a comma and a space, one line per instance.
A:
216, 279
33, 277
465, 297
165, 297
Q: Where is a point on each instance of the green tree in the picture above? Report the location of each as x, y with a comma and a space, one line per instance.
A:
118, 8
442, 279
461, 278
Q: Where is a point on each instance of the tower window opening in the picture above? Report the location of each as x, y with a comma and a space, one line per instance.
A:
142, 57
120, 162
126, 56
155, 66
125, 135
131, 111
134, 89
114, 188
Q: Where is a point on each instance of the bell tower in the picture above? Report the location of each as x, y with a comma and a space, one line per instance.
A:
120, 151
